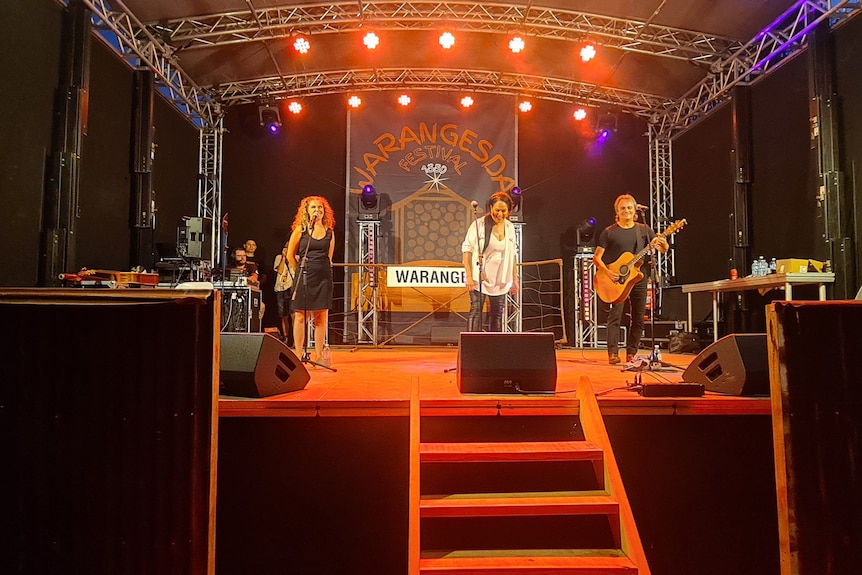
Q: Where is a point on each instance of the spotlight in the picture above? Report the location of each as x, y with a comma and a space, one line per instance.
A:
447, 40
606, 124
369, 204
515, 214
586, 233
269, 118
371, 40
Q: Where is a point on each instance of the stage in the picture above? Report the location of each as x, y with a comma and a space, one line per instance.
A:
318, 478
377, 381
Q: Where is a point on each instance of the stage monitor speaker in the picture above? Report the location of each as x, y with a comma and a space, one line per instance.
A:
736, 364
507, 363
258, 365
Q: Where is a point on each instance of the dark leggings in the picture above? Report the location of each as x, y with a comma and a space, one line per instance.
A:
495, 312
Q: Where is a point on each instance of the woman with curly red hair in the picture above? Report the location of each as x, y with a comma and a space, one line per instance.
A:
309, 255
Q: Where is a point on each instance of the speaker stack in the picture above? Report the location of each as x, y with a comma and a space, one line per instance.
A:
507, 363
258, 365
736, 364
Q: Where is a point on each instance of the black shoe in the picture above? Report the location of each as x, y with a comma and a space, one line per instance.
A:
613, 359
630, 357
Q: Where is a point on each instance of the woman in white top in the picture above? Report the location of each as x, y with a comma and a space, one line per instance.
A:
489, 253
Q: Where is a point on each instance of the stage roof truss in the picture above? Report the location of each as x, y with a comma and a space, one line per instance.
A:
344, 81
540, 22
159, 46
133, 43
785, 37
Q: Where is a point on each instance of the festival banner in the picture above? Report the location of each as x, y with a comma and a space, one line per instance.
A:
427, 163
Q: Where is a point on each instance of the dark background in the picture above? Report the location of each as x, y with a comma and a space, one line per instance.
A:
564, 178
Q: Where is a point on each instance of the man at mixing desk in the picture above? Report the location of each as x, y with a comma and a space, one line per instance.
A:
242, 267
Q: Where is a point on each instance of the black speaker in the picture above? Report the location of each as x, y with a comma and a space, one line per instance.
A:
258, 365
507, 363
736, 364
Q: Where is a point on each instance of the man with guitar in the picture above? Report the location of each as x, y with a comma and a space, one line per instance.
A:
618, 276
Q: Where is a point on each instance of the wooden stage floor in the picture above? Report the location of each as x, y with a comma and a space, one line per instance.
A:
377, 382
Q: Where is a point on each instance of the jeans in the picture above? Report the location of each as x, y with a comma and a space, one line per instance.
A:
495, 311
637, 297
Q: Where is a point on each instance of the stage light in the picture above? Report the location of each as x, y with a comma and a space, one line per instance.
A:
516, 44
354, 101
301, 45
586, 233
606, 124
270, 118
515, 213
447, 40
404, 100
580, 114
294, 107
588, 52
371, 40
466, 101
369, 204
525, 106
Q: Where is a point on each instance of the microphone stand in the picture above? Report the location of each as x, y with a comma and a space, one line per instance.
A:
480, 263
481, 302
655, 363
306, 357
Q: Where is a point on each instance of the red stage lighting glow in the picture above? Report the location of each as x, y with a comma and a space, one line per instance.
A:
588, 52
294, 107
371, 40
301, 45
404, 100
354, 101
580, 114
516, 44
525, 106
467, 101
447, 40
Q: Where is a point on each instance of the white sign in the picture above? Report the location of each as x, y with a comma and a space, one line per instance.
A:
425, 276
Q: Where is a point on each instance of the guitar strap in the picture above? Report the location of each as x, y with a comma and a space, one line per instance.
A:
642, 238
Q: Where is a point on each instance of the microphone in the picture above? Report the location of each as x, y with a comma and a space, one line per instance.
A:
641, 208
475, 205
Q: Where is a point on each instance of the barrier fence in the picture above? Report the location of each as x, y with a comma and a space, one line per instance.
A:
368, 310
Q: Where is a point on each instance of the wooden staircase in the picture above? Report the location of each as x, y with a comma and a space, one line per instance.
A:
520, 485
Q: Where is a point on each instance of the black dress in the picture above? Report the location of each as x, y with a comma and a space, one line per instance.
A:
313, 290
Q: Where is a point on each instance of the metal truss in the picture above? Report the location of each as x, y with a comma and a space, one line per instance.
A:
661, 199
512, 311
532, 21
342, 81
123, 33
366, 301
209, 183
586, 301
784, 37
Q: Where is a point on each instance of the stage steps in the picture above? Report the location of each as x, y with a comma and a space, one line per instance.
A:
513, 490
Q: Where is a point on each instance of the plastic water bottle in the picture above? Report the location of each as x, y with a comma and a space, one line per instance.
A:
762, 266
656, 353
773, 266
754, 268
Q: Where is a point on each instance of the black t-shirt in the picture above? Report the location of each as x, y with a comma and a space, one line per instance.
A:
616, 240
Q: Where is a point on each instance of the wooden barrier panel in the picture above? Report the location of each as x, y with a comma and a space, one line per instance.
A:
108, 424
814, 365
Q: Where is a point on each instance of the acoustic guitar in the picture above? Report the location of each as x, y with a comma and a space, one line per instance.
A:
628, 267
